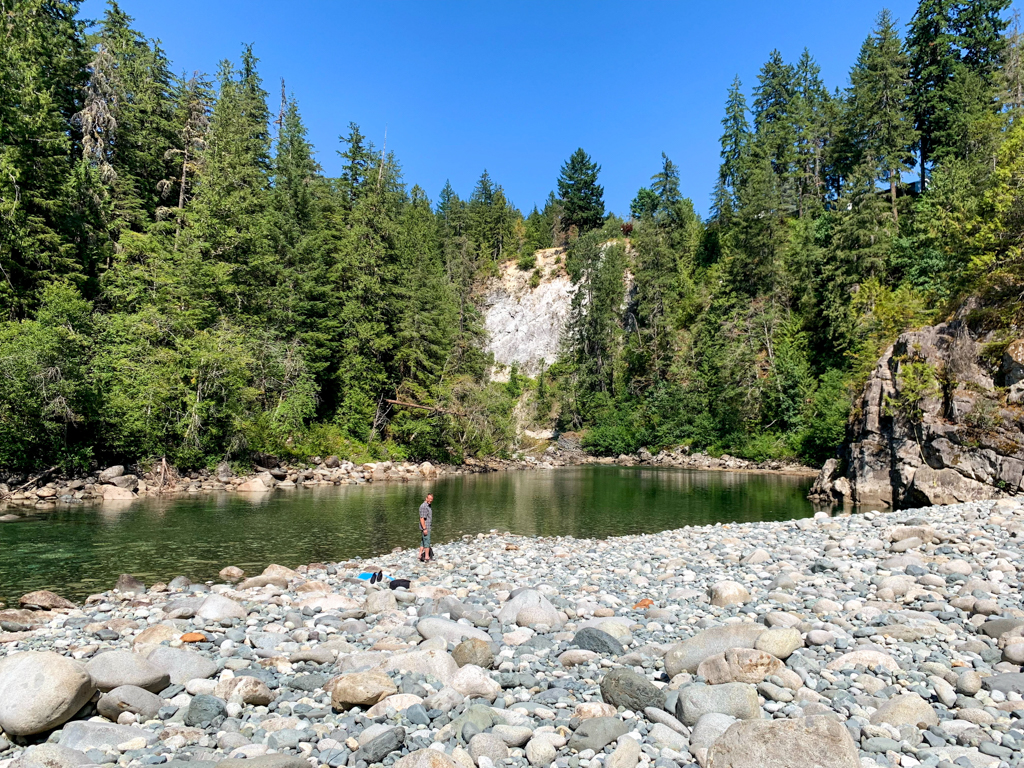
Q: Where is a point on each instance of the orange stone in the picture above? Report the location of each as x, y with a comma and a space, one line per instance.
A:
193, 637
645, 603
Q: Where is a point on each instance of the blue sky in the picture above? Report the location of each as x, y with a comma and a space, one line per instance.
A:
515, 87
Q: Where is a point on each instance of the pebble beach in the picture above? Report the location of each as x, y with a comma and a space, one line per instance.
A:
875, 639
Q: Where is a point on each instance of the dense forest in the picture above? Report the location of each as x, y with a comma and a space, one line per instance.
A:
179, 279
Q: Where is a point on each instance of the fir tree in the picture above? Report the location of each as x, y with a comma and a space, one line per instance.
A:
735, 137
582, 197
880, 105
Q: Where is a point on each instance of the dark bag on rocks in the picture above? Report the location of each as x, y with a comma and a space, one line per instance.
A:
396, 583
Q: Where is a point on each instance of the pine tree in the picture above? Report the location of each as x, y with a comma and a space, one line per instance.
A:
581, 195
880, 105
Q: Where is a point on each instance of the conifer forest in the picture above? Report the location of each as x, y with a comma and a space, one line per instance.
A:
179, 279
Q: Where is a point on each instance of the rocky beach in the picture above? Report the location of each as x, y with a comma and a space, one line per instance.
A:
862, 640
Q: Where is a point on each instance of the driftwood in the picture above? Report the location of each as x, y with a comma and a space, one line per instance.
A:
35, 479
431, 408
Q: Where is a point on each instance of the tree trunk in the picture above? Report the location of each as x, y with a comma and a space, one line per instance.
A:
892, 193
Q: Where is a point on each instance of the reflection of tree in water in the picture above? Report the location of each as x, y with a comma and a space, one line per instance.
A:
83, 550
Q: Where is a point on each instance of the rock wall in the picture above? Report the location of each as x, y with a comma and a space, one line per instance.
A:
524, 324
940, 421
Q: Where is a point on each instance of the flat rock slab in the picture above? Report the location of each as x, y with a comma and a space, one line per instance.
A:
86, 734
789, 743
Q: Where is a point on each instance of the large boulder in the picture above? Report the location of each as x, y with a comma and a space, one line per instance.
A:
451, 631
39, 690
432, 662
736, 699
129, 698
906, 709
113, 669
360, 689
739, 665
687, 655
726, 593
181, 664
625, 688
812, 742
529, 607
44, 600
596, 733
220, 608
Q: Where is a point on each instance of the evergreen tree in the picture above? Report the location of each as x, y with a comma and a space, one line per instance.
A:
811, 104
359, 158
880, 105
42, 61
735, 137
582, 197
774, 118
231, 200
645, 204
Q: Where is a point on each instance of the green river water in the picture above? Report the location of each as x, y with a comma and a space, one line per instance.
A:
76, 551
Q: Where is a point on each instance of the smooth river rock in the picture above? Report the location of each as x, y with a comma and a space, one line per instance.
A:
39, 690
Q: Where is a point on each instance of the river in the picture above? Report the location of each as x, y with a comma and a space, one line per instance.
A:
76, 551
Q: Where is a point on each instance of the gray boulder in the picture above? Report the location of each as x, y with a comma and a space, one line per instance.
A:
625, 688
39, 690
129, 698
204, 709
113, 669
687, 655
598, 641
736, 699
451, 631
219, 608
181, 664
474, 651
380, 746
596, 733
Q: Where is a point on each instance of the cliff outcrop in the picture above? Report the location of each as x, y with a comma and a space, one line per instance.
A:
940, 421
524, 321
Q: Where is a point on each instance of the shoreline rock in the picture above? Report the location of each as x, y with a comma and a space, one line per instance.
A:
852, 640
112, 486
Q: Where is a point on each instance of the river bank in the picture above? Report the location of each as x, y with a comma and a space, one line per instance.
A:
874, 639
119, 484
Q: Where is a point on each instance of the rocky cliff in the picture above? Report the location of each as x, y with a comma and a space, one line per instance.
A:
524, 322
940, 421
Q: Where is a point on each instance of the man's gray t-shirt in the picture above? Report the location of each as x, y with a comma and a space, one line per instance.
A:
427, 514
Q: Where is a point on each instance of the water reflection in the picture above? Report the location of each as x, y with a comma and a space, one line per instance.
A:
77, 551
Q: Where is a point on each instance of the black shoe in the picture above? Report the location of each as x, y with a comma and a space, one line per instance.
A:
380, 576
373, 578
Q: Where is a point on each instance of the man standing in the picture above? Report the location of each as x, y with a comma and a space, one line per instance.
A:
426, 520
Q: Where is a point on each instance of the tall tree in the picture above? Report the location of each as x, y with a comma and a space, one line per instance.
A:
811, 102
42, 61
582, 197
735, 137
773, 111
880, 105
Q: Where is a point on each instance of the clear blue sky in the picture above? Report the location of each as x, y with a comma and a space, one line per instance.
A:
515, 87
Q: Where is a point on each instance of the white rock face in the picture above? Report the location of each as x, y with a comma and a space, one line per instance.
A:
524, 325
